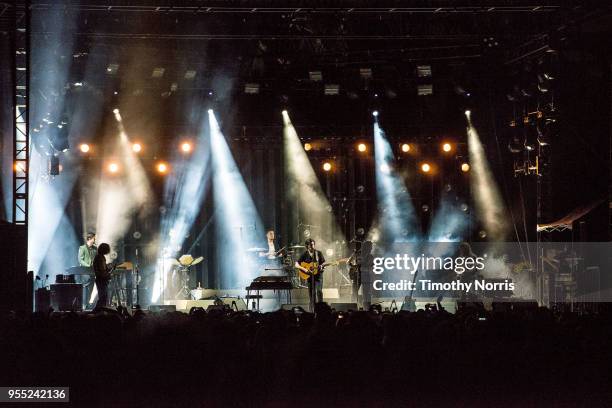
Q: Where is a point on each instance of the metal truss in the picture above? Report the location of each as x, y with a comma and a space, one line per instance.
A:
20, 53
304, 6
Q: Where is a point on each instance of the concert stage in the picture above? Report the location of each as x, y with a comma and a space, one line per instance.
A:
258, 202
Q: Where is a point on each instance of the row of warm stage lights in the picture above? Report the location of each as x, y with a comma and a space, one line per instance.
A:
186, 148
405, 148
161, 166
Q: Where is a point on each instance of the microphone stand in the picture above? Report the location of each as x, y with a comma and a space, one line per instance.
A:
137, 270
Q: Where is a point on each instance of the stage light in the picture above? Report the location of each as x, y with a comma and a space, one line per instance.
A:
331, 89
251, 88
465, 167
362, 147
161, 167
405, 148
315, 76
425, 168
84, 147
307, 147
468, 113
424, 89
18, 167
385, 168
284, 112
113, 167
115, 111
447, 147
136, 147
327, 166
375, 113
210, 111
186, 147
329, 252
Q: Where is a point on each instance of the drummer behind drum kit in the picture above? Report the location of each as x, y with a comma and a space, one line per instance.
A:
287, 256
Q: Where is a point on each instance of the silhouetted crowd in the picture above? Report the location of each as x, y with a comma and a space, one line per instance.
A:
527, 357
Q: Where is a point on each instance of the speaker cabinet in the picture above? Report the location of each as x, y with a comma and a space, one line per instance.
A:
67, 296
42, 300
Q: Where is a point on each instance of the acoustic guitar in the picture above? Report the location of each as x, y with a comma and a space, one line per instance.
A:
314, 268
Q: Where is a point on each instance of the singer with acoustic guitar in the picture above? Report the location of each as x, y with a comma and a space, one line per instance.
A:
311, 265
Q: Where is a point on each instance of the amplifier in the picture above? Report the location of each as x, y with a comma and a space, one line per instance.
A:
64, 279
42, 300
66, 296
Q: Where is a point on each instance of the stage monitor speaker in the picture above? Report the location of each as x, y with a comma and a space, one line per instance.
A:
66, 297
204, 304
222, 307
234, 302
14, 293
162, 308
344, 307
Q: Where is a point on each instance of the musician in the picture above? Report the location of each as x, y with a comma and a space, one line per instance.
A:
87, 253
315, 283
270, 236
360, 267
102, 271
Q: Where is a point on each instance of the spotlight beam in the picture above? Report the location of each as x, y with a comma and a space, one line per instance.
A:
489, 204
396, 215
238, 223
184, 190
303, 188
120, 197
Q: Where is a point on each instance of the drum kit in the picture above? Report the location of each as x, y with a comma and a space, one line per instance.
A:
183, 265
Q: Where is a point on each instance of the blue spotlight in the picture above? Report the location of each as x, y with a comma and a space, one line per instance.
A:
237, 220
397, 221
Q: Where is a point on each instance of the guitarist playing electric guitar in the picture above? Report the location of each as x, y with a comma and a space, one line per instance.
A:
311, 265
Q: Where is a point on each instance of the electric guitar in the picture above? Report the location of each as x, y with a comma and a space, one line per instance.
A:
314, 268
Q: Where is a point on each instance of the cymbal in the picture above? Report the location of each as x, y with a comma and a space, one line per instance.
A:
197, 260
255, 249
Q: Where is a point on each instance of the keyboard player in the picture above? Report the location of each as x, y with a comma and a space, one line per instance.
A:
87, 253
